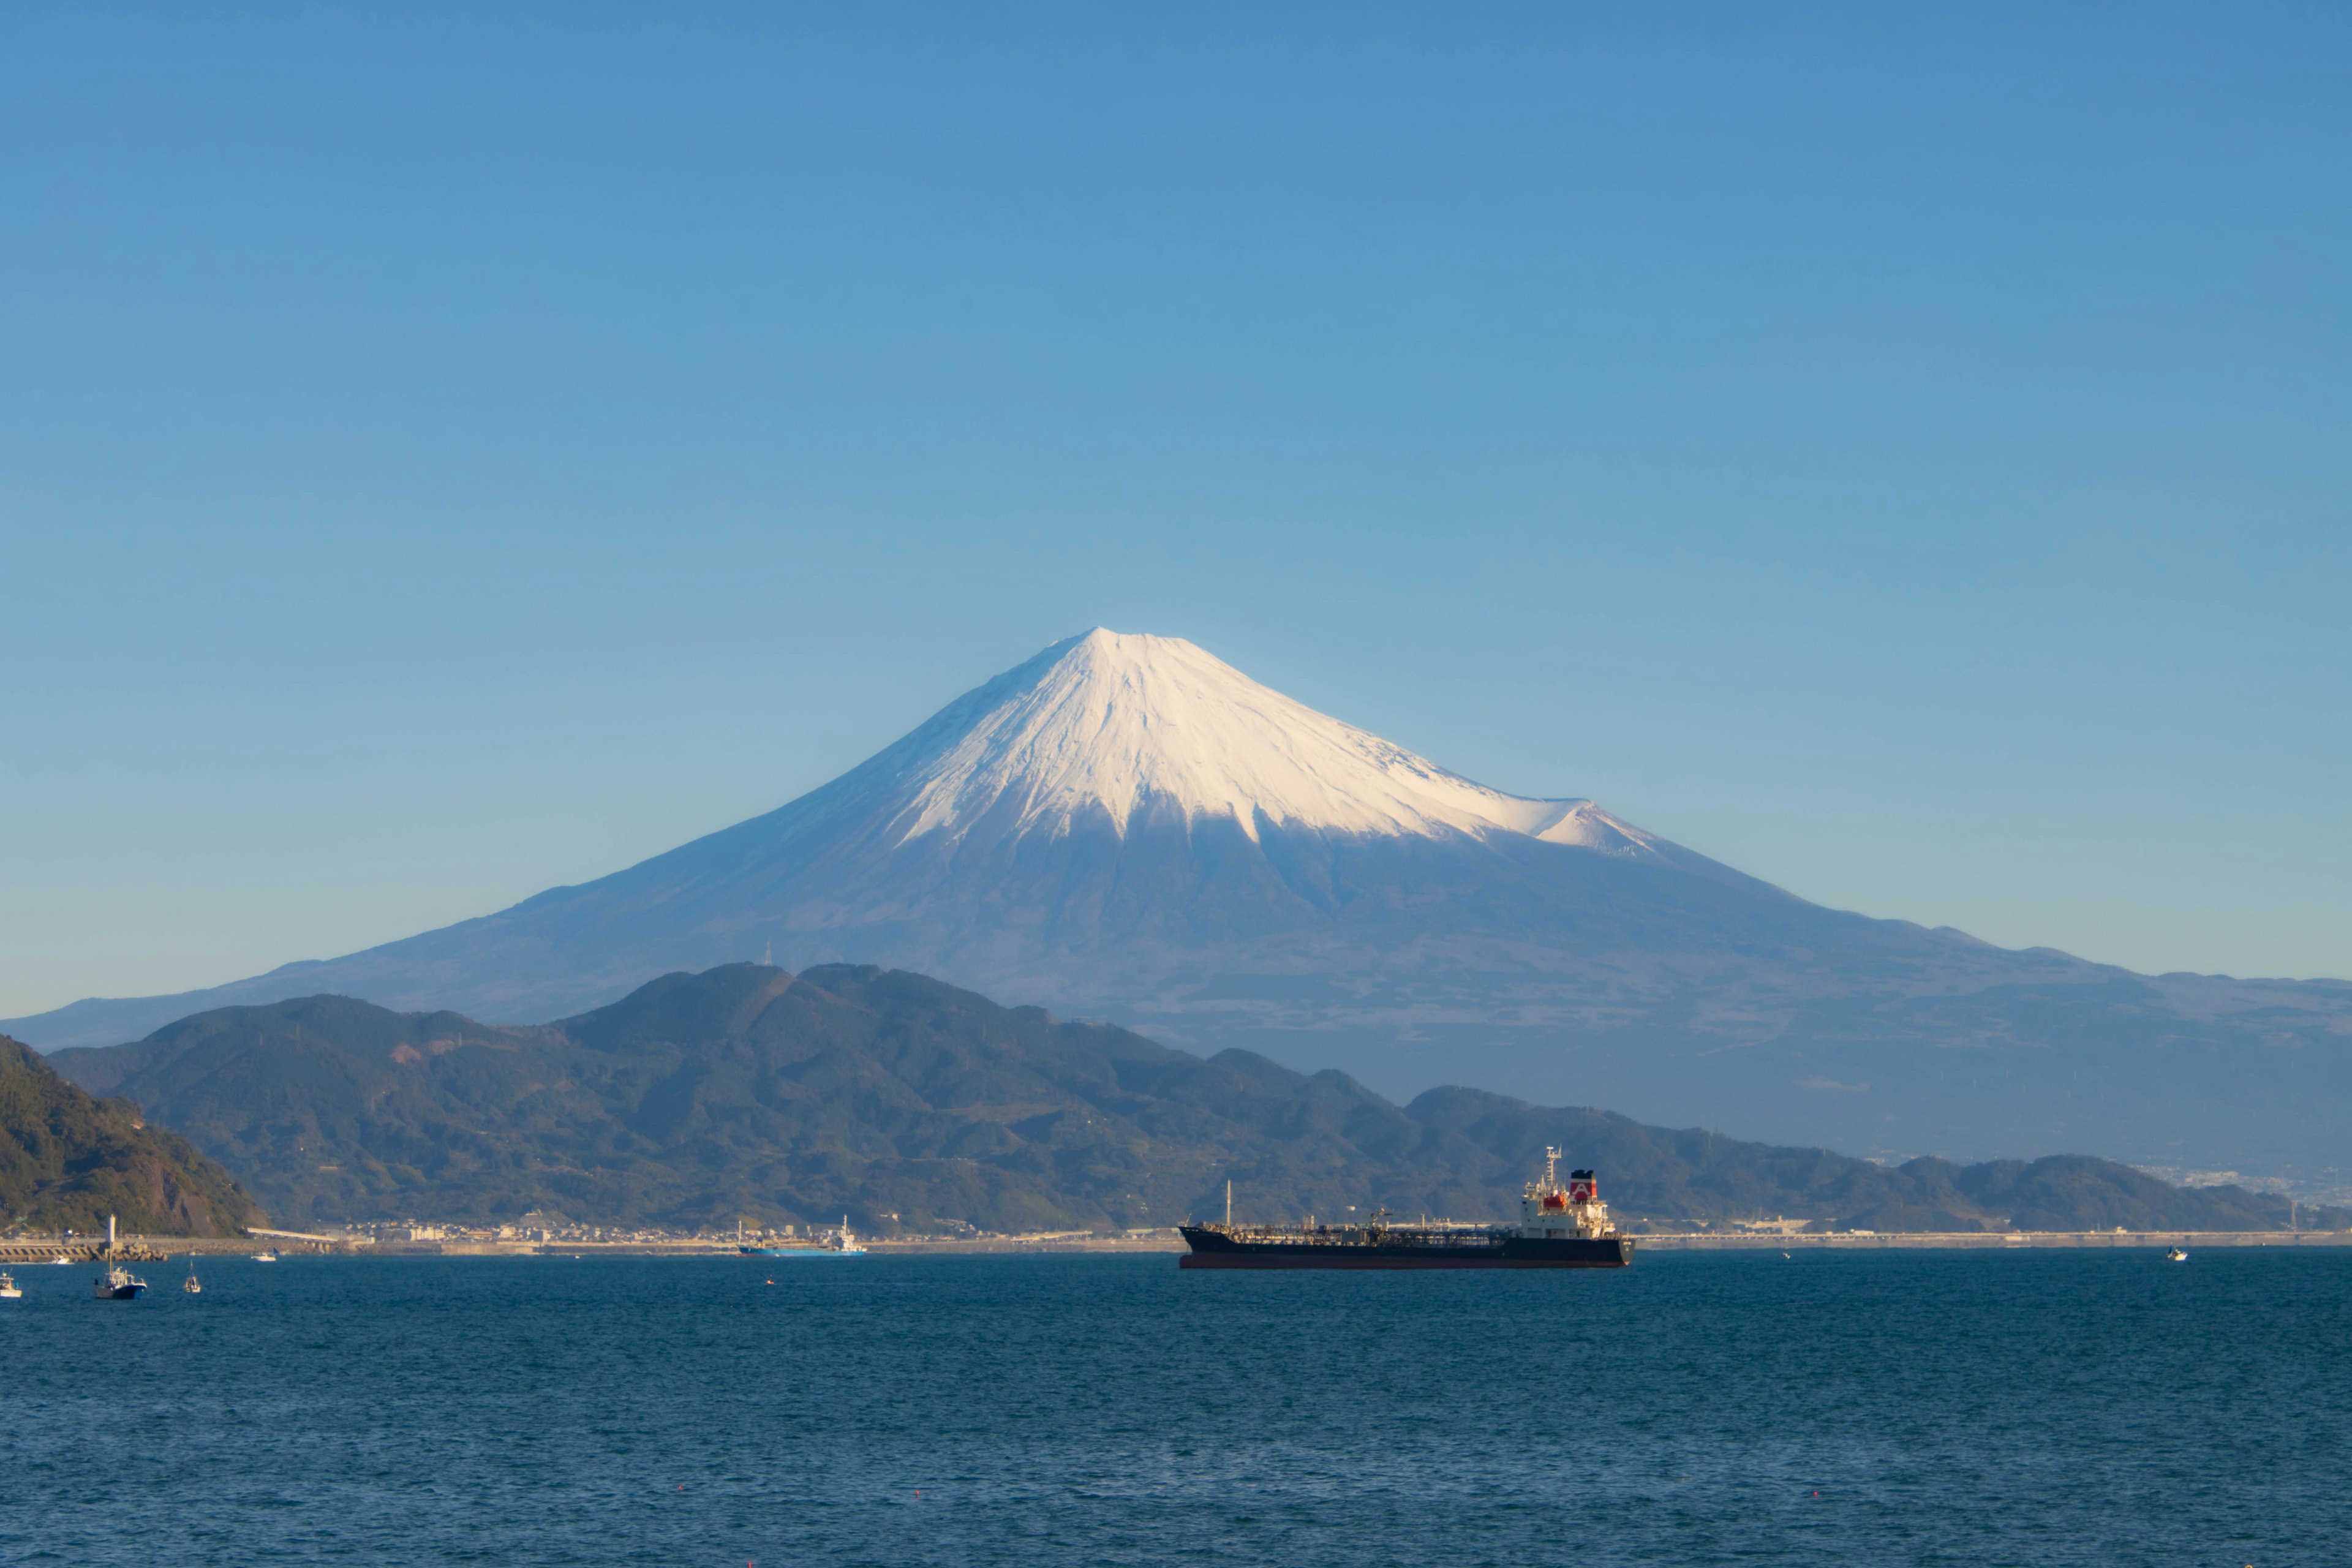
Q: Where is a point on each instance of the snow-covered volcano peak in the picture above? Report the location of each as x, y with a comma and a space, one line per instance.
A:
1128, 727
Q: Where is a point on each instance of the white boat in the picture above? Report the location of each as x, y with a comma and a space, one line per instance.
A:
8, 1292
2178, 1255
265, 1256
62, 1261
192, 1284
118, 1283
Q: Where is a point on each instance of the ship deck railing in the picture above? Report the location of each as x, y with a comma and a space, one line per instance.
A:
1436, 1233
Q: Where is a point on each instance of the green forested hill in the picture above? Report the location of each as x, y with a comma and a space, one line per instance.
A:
749, 1092
67, 1161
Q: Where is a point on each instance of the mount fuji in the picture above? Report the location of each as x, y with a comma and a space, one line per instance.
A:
1126, 827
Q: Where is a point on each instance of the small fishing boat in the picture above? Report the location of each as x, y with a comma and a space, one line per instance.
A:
192, 1284
118, 1284
268, 1256
8, 1292
2178, 1255
62, 1261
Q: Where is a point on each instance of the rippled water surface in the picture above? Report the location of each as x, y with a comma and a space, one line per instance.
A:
2044, 1407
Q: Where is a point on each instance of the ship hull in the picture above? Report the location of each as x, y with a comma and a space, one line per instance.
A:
1213, 1249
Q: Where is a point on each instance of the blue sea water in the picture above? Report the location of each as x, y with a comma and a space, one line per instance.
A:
1868, 1407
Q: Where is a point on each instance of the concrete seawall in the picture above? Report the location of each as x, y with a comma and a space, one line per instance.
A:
133, 1250
1999, 1240
149, 1248
155, 1249
1035, 1245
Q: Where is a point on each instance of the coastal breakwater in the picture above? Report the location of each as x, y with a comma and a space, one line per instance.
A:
156, 1249
81, 1249
1987, 1241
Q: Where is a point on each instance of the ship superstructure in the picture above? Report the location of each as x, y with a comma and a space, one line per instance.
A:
1560, 1228
1548, 1209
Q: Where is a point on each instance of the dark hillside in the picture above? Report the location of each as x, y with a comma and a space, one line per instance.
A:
67, 1161
1693, 1174
749, 1092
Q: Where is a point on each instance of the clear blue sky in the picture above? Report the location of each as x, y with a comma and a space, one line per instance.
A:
1902, 452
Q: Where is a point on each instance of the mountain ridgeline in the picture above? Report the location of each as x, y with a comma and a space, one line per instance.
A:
1126, 827
746, 1091
69, 1159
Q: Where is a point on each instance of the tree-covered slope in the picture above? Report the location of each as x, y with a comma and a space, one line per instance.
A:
1691, 1173
749, 1092
67, 1161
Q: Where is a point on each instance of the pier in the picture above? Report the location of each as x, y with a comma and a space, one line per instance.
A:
81, 1249
39, 1249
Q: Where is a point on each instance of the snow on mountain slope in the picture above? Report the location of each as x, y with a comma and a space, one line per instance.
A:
1126, 827
1122, 727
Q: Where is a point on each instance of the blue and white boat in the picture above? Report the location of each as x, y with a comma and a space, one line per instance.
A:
118, 1283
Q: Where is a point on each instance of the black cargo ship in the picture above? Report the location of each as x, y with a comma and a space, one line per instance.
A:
1560, 1228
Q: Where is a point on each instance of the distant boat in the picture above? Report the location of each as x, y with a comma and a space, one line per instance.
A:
62, 1261
8, 1292
1560, 1228
842, 1244
269, 1256
2178, 1255
192, 1284
118, 1284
